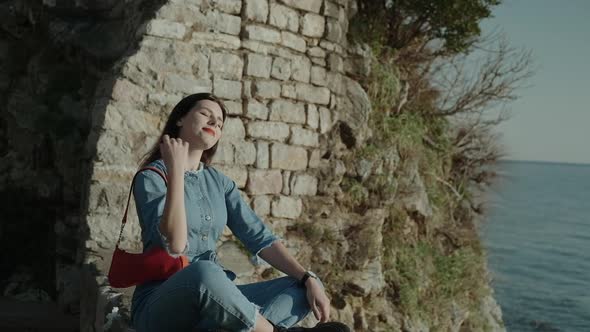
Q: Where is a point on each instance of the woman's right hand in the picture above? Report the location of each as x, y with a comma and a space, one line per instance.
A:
174, 152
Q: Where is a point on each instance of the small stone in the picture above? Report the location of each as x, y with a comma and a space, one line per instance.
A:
301, 69
256, 10
276, 131
304, 184
234, 128
305, 137
262, 182
227, 66
286, 207
288, 157
287, 111
325, 120
256, 110
227, 89
244, 152
258, 65
318, 76
313, 117
308, 5
261, 205
261, 33
313, 25
293, 41
281, 68
166, 29
283, 17
267, 89
262, 155
289, 91
312, 94
286, 179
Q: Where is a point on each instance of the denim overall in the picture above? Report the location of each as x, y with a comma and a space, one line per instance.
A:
203, 295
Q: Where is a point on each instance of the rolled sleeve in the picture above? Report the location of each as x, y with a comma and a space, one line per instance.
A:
149, 192
244, 223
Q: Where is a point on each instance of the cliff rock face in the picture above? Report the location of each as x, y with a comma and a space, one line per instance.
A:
95, 86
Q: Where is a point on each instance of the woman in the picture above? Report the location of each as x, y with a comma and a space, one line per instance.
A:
187, 216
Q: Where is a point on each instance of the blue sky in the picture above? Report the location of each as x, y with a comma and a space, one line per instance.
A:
551, 120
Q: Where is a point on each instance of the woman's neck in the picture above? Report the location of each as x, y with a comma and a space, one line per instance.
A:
193, 160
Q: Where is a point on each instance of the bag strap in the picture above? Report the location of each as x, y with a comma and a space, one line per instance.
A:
124, 221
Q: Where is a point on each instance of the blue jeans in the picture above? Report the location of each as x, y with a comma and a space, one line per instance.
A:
201, 296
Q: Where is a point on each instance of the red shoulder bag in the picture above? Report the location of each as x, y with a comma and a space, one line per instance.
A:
129, 269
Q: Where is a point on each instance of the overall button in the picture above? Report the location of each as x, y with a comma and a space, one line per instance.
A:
207, 217
204, 237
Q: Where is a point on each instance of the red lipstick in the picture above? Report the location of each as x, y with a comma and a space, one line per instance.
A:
210, 131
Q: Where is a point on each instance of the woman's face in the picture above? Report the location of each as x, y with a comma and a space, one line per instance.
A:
201, 126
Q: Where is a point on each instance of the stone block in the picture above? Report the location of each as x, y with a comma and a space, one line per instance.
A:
276, 131
281, 68
267, 89
287, 111
229, 6
317, 52
233, 128
257, 32
261, 182
288, 91
314, 158
318, 76
226, 66
237, 173
233, 107
218, 40
256, 10
185, 84
224, 154
258, 65
305, 137
301, 69
312, 94
261, 205
335, 63
262, 155
334, 31
286, 180
313, 25
256, 110
293, 158
244, 152
307, 5
303, 184
226, 89
224, 23
325, 120
283, 17
166, 29
286, 207
313, 116
331, 9
293, 41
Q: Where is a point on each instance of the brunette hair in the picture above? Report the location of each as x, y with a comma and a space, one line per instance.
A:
172, 129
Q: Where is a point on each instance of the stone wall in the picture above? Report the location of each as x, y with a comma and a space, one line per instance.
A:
281, 67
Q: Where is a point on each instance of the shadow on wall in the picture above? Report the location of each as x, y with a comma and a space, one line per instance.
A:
56, 59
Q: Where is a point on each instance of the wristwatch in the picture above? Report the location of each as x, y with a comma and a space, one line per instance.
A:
307, 275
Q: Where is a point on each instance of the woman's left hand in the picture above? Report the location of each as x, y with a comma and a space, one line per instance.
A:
318, 300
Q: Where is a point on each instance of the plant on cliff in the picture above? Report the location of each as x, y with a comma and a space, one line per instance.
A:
432, 111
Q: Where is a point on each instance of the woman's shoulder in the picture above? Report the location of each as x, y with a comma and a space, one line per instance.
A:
150, 170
